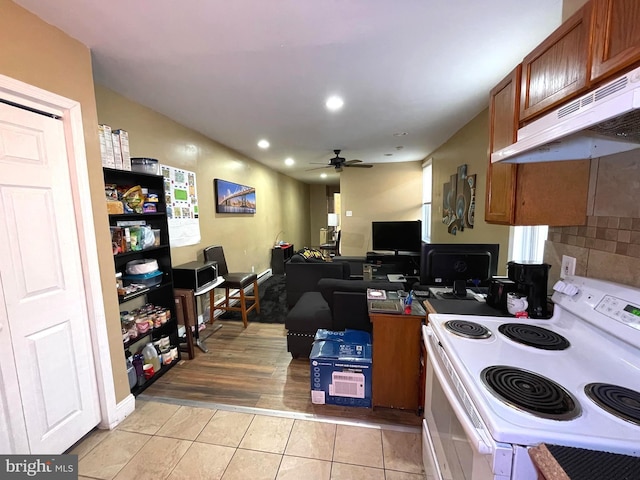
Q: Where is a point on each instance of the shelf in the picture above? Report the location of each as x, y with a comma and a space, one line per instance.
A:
137, 390
168, 327
114, 172
161, 294
136, 252
123, 216
131, 296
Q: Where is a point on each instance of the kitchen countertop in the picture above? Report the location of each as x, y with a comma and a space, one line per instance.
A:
556, 462
462, 307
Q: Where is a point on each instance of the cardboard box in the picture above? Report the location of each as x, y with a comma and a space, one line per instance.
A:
341, 372
106, 146
350, 336
117, 156
123, 136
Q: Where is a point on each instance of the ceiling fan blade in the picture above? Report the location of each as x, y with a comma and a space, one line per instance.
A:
317, 168
351, 162
358, 165
319, 163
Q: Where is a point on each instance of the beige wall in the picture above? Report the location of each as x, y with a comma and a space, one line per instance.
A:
469, 145
36, 53
569, 7
388, 191
282, 203
318, 213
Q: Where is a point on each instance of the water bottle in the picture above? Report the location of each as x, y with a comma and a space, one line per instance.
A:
151, 356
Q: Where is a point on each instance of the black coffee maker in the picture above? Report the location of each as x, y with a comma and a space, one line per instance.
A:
531, 280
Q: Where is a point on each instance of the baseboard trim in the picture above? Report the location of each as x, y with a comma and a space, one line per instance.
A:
122, 411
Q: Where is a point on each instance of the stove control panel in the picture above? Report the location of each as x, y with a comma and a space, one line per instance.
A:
620, 310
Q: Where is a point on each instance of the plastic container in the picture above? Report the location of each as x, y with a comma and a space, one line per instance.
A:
147, 279
142, 266
150, 355
131, 374
156, 237
145, 165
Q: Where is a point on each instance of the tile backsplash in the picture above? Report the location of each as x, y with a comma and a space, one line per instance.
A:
607, 248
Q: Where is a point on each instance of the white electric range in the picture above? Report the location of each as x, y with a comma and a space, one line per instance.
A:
498, 385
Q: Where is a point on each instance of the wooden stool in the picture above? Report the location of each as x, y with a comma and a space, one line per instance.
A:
235, 281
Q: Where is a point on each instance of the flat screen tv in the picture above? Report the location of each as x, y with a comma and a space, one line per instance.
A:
399, 236
458, 265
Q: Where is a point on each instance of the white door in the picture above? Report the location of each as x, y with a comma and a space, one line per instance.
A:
51, 399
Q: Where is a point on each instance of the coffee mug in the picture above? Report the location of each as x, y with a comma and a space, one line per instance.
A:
516, 302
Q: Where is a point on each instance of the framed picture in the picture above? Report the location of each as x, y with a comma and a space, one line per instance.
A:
234, 198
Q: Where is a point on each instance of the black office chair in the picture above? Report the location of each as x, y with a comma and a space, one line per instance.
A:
333, 248
233, 280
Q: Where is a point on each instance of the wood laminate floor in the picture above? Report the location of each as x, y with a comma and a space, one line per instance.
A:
252, 368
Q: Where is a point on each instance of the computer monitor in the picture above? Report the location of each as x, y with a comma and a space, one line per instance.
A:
458, 265
398, 236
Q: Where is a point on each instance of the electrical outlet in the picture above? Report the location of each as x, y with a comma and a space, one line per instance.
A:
568, 266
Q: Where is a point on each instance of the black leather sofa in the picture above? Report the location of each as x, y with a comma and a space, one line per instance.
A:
303, 275
334, 304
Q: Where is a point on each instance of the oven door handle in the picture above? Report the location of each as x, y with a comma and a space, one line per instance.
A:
476, 436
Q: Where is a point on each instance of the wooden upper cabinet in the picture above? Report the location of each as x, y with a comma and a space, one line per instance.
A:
503, 124
559, 67
616, 34
547, 193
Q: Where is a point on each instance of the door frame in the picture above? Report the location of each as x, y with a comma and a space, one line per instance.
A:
21, 93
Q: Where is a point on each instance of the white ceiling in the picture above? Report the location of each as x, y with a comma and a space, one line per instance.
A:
241, 70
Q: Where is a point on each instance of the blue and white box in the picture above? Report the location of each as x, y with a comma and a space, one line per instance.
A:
348, 336
341, 369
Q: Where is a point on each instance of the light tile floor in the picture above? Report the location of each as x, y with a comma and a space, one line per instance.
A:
198, 441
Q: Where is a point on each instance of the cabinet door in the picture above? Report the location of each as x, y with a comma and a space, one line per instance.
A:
559, 67
396, 361
616, 36
552, 193
503, 123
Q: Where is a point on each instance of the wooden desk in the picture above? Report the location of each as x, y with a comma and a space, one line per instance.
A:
396, 359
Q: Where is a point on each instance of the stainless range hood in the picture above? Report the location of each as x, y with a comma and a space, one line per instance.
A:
603, 122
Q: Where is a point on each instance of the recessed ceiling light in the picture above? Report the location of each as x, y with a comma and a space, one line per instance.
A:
334, 103
289, 161
400, 134
323, 175
263, 144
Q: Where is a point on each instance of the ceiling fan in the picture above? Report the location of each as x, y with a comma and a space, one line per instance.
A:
339, 162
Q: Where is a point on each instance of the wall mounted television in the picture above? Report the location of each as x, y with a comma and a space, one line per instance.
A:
458, 265
398, 236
